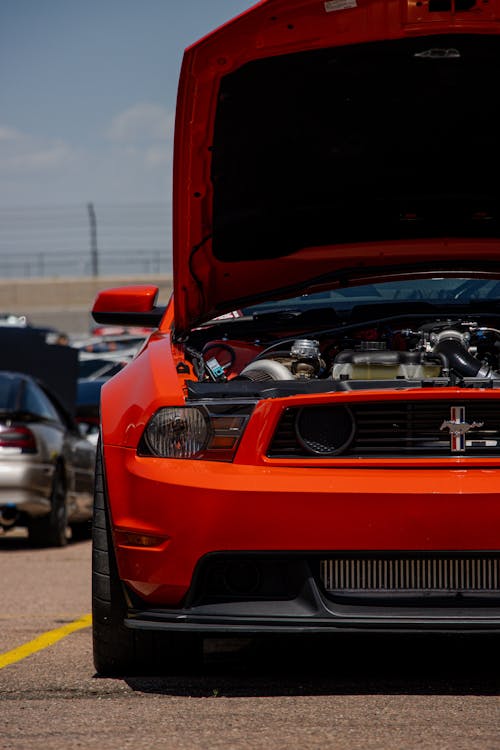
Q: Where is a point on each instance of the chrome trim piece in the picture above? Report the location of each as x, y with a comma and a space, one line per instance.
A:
458, 428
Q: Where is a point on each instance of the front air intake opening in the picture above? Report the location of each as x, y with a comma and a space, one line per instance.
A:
425, 578
224, 577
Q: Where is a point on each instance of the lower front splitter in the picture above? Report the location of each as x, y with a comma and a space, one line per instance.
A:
313, 612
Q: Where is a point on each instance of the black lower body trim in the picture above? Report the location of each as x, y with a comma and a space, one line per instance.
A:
312, 612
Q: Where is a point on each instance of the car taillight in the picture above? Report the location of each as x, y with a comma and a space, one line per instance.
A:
17, 436
211, 432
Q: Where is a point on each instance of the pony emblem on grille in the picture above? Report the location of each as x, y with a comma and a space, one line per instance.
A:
458, 427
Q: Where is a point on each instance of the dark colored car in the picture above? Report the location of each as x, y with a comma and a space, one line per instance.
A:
95, 369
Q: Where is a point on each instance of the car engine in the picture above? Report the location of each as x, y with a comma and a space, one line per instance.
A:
435, 350
439, 352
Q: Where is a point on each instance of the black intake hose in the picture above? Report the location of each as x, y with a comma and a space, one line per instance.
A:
457, 358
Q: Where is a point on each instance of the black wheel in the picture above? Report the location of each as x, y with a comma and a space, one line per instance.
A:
119, 650
50, 530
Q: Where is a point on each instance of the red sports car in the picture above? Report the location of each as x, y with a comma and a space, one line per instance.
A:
310, 441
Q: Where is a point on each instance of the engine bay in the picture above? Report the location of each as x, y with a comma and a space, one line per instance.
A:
394, 352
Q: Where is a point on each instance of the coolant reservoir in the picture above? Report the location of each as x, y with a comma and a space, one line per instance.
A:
382, 365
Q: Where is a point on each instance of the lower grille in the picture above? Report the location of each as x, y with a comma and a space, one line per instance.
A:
411, 575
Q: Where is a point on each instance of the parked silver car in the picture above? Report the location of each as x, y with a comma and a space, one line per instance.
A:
46, 466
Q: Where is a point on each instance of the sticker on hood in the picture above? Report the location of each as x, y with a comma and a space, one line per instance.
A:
332, 5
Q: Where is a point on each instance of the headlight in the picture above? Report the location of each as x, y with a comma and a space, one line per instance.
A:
210, 432
177, 432
325, 431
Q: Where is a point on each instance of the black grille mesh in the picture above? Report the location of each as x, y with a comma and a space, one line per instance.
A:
401, 429
410, 574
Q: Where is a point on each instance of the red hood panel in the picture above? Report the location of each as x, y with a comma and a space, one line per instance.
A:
314, 138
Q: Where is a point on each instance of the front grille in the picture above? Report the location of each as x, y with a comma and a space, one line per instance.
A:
400, 429
426, 575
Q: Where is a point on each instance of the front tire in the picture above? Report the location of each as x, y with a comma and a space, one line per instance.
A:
50, 530
119, 650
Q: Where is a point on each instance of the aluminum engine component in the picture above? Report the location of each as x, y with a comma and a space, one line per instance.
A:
266, 369
305, 349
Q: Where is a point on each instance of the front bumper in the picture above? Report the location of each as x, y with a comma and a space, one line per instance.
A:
201, 507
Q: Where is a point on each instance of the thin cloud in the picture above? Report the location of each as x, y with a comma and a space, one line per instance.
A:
135, 169
143, 123
47, 158
9, 134
157, 156
24, 153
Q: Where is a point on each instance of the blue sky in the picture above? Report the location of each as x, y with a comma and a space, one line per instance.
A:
87, 96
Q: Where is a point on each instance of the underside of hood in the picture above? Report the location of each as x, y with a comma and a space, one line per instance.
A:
311, 142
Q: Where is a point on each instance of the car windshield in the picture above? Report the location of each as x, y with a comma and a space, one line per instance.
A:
436, 290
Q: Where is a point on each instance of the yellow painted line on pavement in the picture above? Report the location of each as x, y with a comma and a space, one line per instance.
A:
43, 641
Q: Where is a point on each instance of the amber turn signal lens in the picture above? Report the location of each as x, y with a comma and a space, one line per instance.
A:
132, 539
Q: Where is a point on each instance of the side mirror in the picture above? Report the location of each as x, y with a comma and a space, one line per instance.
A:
128, 306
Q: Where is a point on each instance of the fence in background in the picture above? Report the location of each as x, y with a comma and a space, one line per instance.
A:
38, 242
60, 263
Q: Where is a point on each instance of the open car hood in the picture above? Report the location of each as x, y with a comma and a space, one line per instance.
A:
322, 142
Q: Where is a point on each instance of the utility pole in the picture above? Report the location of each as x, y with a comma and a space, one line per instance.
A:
94, 255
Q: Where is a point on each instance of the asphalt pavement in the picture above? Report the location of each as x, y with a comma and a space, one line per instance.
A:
280, 694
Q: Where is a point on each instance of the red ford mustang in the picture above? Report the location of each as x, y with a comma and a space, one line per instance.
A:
310, 441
